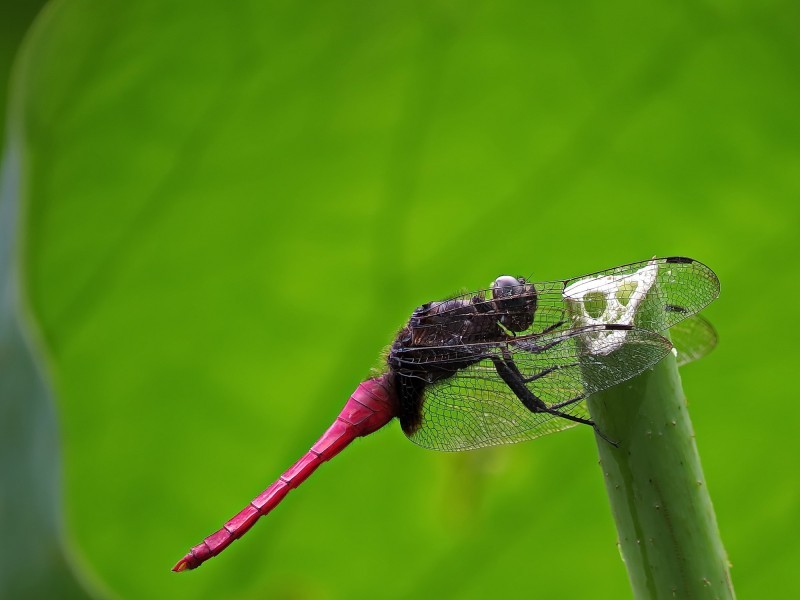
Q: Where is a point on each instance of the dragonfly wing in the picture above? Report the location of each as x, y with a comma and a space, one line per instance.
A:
693, 338
675, 288
476, 407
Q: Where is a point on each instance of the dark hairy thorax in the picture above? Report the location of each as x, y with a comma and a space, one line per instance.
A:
444, 337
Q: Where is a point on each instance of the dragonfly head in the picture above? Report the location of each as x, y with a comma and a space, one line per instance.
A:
517, 298
511, 292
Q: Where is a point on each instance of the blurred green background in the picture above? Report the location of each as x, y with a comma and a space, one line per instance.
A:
227, 209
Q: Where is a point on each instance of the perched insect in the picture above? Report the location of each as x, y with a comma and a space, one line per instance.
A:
509, 363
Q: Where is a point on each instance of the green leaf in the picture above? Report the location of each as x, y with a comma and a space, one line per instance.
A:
231, 208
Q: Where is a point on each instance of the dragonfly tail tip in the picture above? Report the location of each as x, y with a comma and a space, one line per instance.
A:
183, 564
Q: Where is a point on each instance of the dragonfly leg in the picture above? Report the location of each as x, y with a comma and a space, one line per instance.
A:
529, 346
512, 366
534, 349
511, 375
547, 371
568, 402
552, 327
552, 410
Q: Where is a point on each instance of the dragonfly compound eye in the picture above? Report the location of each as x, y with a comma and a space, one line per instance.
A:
511, 292
505, 286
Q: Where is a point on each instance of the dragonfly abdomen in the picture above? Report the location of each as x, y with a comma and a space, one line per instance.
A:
371, 406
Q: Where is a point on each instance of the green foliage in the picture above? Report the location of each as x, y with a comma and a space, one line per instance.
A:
229, 209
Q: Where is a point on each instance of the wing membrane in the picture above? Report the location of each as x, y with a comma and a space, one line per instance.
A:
475, 408
693, 338
683, 286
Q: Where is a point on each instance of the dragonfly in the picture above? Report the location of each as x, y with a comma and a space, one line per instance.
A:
508, 363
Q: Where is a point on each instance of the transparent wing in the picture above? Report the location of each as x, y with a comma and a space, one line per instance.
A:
677, 288
693, 338
475, 407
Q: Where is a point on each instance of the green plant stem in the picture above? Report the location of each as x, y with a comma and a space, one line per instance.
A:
668, 533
